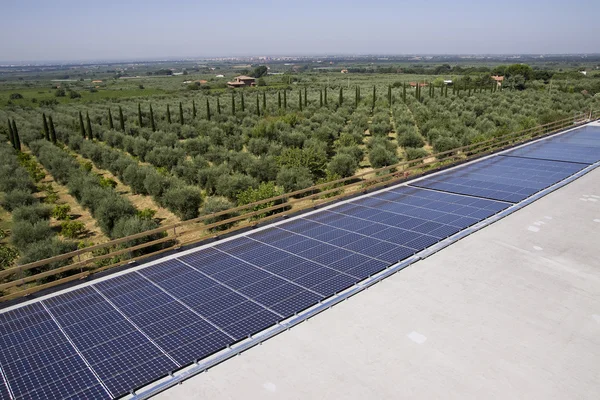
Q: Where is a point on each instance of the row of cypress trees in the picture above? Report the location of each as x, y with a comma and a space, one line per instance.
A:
281, 103
13, 135
49, 131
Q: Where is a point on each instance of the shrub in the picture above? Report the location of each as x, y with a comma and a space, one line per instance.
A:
8, 255
108, 182
45, 249
264, 169
25, 233
411, 139
413, 154
164, 157
215, 204
17, 198
61, 211
264, 191
354, 151
183, 201
445, 143
32, 214
110, 209
156, 184
72, 229
133, 225
294, 178
230, 185
87, 166
343, 165
134, 176
258, 146
146, 213
380, 129
379, 157
13, 177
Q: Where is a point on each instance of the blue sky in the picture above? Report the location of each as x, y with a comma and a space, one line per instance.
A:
34, 30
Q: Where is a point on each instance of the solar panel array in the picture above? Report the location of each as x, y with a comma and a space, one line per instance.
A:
580, 146
503, 178
114, 336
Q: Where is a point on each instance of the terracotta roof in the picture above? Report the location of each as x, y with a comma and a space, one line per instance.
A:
244, 78
497, 78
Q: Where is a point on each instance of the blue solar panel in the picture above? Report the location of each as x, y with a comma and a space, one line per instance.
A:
37, 359
508, 179
138, 326
579, 146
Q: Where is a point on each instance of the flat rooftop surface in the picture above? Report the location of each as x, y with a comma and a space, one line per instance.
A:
511, 311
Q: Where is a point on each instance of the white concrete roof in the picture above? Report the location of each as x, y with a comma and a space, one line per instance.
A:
511, 311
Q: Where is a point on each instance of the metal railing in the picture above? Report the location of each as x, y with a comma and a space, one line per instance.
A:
20, 281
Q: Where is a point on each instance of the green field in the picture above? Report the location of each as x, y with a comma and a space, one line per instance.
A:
206, 148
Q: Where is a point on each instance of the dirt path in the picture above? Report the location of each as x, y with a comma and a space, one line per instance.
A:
140, 201
78, 213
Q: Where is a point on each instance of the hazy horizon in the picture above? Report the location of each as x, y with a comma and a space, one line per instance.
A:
69, 30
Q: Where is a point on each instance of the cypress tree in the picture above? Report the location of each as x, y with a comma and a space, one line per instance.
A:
152, 124
16, 136
446, 91
232, 103
264, 102
325, 95
140, 122
207, 110
11, 135
300, 99
168, 114
442, 90
320, 98
279, 100
431, 91
81, 127
111, 125
356, 96
46, 130
257, 105
374, 99
341, 101
52, 130
417, 91
193, 108
285, 99
89, 126
404, 92
121, 119
181, 114
218, 106
359, 94
243, 105
305, 98
390, 95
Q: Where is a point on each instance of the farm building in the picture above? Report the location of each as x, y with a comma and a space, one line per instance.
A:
498, 79
241, 81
